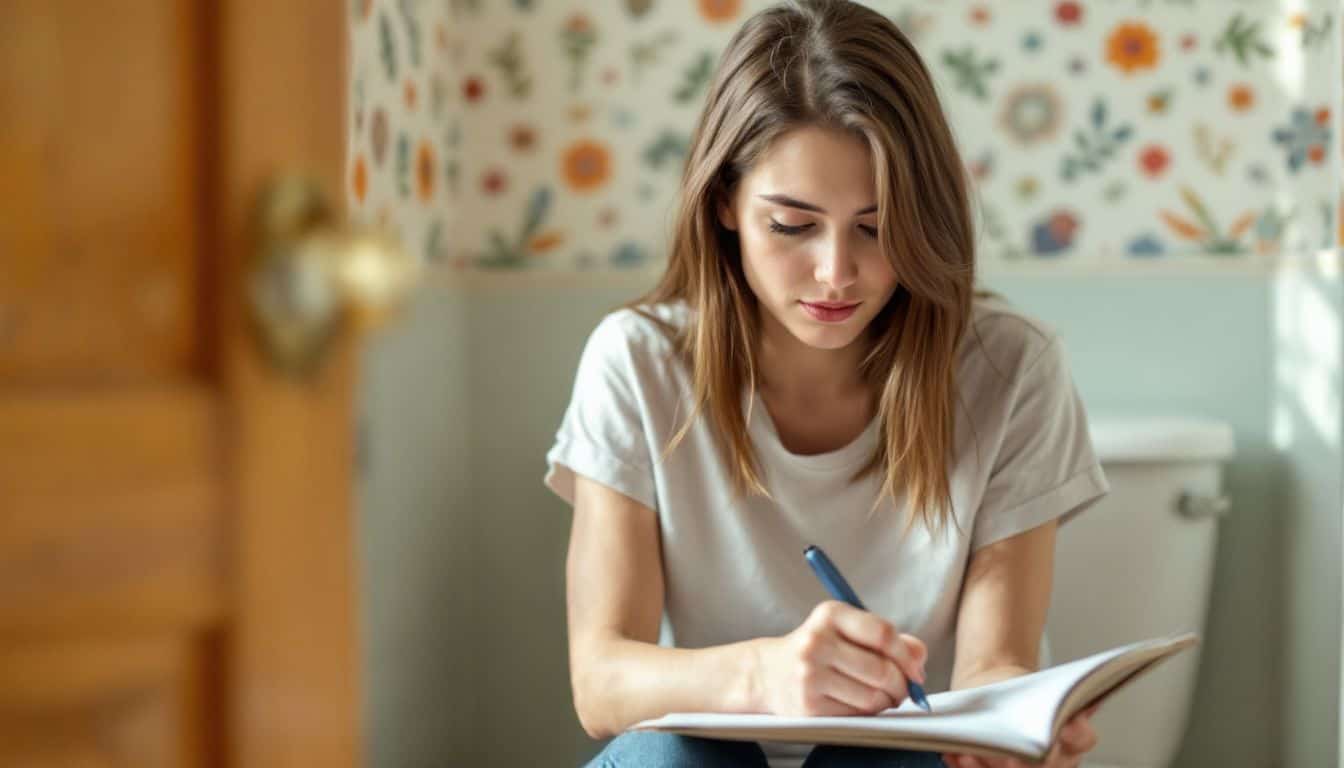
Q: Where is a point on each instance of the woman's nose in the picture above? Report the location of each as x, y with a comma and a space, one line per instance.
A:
836, 266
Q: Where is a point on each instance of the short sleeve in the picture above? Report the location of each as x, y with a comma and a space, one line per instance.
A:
602, 434
1045, 467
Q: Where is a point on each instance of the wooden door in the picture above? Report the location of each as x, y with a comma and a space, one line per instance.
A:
176, 552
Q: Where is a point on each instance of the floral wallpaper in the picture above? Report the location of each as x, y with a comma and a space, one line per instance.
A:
549, 134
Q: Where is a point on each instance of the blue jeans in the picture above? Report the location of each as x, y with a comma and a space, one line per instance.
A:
650, 749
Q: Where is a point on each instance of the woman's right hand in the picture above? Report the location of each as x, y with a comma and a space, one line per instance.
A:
840, 661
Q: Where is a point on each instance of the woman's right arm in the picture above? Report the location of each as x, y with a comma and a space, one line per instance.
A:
840, 661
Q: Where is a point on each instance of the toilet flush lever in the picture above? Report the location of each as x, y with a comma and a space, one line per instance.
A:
1194, 506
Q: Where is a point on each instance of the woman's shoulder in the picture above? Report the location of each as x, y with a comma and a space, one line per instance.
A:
654, 327
643, 335
1004, 341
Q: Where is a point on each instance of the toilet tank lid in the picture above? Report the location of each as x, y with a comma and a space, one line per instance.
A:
1125, 438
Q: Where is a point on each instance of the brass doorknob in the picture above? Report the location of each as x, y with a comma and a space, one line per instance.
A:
311, 276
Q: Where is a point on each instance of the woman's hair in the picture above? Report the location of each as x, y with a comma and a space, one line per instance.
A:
834, 64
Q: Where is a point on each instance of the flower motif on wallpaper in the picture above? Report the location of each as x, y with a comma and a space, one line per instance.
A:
586, 165
1069, 13
1132, 47
1204, 231
1032, 113
1145, 245
1305, 138
494, 182
473, 89
719, 11
1095, 149
1242, 37
522, 137
1240, 97
578, 36
1054, 234
1153, 160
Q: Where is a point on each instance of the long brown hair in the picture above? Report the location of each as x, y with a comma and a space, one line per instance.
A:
832, 63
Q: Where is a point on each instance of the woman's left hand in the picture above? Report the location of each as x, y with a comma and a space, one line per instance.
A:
1075, 740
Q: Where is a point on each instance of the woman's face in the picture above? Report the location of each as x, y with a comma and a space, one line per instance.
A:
806, 218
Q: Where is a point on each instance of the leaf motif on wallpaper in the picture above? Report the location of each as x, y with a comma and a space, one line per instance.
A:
1214, 152
695, 78
638, 8
1096, 147
997, 234
501, 253
404, 165
387, 46
1205, 230
578, 37
1243, 38
629, 255
411, 20
463, 7
670, 146
434, 248
1314, 34
646, 53
970, 71
508, 58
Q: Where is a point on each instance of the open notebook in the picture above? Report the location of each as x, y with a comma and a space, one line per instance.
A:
1018, 718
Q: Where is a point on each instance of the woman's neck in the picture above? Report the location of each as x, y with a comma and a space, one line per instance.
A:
790, 369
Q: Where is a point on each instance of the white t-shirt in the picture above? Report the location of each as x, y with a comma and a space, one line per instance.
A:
734, 566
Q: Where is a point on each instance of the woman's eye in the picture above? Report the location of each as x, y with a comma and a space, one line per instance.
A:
785, 229
872, 231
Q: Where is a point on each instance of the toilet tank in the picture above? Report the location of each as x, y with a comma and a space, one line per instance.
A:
1137, 565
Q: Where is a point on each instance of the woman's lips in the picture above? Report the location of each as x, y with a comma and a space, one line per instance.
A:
829, 312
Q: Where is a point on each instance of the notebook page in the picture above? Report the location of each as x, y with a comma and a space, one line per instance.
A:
1014, 715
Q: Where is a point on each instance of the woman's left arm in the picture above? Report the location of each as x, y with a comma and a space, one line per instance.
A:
1004, 599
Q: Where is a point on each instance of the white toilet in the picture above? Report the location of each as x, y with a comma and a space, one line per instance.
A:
1139, 565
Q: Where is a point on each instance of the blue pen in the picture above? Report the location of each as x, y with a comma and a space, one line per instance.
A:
839, 588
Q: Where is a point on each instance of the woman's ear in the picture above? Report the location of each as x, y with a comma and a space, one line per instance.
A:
727, 216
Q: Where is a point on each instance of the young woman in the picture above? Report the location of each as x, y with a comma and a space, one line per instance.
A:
815, 367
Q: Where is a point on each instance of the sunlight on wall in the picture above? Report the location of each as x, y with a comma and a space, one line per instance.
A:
1308, 337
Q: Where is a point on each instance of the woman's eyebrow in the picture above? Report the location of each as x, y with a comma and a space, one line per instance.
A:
790, 202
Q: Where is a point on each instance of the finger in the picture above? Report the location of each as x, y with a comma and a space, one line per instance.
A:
872, 669
878, 634
850, 692
1078, 737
